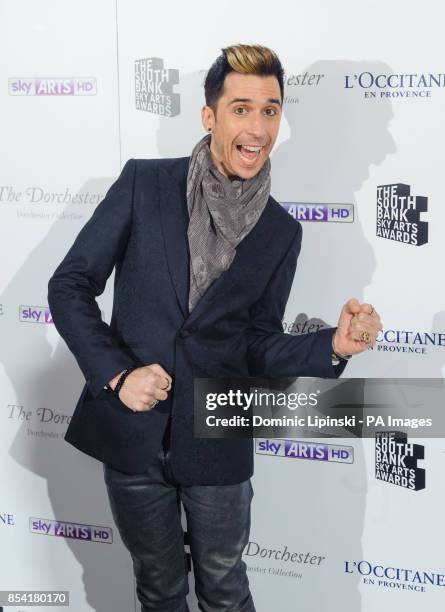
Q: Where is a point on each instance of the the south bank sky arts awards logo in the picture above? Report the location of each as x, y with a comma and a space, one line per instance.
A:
154, 87
398, 215
396, 460
384, 86
52, 86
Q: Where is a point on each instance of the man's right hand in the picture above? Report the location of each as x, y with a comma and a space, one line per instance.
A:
143, 386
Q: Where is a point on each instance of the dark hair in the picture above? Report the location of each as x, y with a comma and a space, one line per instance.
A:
244, 59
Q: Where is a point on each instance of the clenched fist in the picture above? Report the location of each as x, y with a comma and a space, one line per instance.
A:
357, 328
144, 387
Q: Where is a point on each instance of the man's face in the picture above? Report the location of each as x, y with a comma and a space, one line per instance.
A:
246, 123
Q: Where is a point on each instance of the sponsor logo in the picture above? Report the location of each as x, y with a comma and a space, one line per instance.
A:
44, 415
253, 549
38, 195
304, 449
299, 81
35, 314
256, 552
303, 325
398, 215
6, 519
384, 86
52, 86
306, 211
46, 204
303, 79
408, 341
396, 460
77, 531
154, 87
395, 578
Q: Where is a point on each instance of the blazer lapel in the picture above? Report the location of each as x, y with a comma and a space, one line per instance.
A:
174, 218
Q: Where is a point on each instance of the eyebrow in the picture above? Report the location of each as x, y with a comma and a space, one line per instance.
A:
269, 101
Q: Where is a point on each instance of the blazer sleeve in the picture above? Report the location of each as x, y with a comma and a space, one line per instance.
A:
274, 353
82, 276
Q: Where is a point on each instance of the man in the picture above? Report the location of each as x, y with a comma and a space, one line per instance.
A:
204, 261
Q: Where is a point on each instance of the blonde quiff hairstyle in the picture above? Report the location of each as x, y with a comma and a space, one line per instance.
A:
243, 59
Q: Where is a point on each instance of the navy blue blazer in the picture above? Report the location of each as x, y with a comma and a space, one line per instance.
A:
235, 329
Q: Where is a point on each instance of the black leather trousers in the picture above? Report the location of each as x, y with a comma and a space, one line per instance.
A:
146, 510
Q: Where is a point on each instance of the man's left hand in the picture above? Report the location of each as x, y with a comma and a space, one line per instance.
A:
357, 328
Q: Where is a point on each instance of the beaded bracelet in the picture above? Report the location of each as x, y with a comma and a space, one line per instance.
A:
122, 379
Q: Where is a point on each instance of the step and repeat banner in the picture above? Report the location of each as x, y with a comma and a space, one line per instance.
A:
358, 160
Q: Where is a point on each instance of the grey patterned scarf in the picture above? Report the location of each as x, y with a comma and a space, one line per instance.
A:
221, 213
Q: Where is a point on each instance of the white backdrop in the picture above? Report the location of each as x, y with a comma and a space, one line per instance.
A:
70, 119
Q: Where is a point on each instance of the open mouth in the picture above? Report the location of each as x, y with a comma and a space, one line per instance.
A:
249, 153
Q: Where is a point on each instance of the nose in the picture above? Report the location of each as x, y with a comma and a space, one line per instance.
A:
256, 126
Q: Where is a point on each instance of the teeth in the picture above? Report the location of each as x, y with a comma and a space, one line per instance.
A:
249, 148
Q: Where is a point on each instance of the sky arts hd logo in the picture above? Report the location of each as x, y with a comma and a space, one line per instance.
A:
398, 215
52, 86
35, 314
384, 86
304, 449
77, 531
307, 211
396, 460
154, 87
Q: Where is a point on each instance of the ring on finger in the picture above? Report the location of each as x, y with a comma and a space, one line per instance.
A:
365, 337
154, 403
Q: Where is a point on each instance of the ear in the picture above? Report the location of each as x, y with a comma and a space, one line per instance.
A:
207, 117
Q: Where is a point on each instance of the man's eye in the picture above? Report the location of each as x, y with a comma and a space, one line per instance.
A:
271, 111
239, 110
